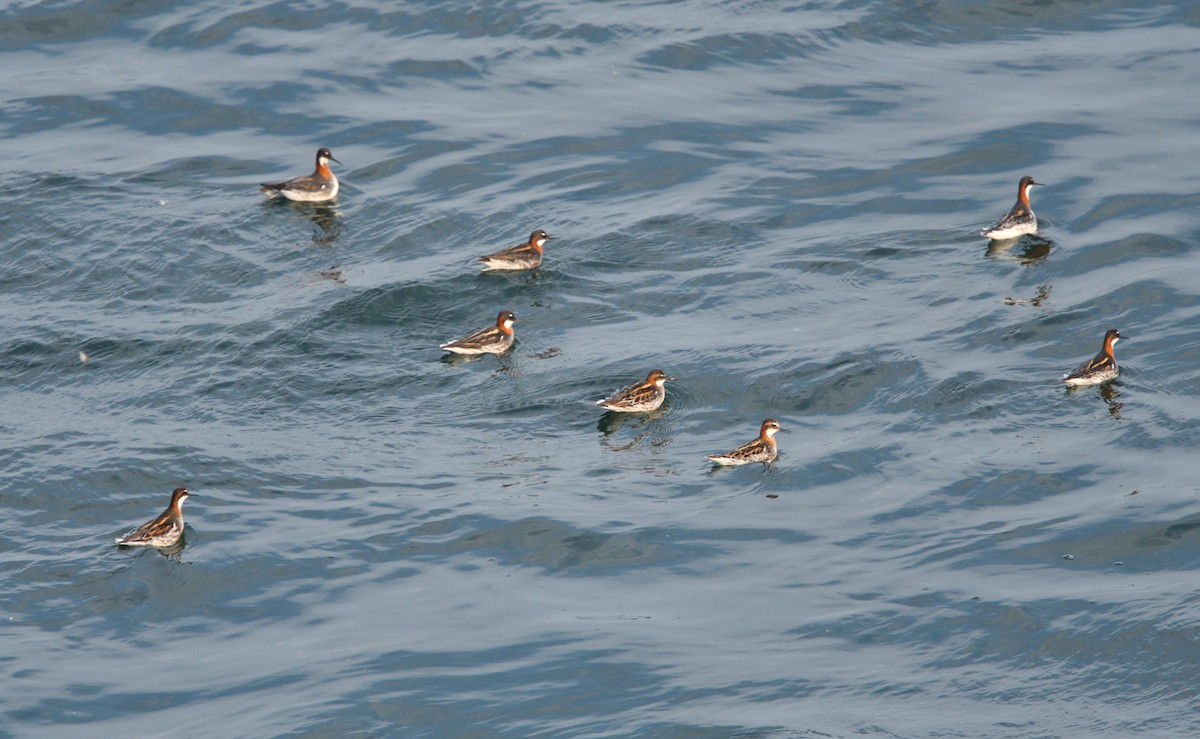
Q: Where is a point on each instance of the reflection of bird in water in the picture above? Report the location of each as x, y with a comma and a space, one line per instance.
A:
333, 274
610, 423
1024, 251
648, 430
1020, 220
637, 439
328, 224
1043, 294
1110, 394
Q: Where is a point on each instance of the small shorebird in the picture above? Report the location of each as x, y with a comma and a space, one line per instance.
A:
1100, 368
639, 397
762, 449
521, 256
318, 187
164, 531
1018, 221
492, 340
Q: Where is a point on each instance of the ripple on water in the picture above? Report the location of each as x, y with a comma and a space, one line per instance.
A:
777, 205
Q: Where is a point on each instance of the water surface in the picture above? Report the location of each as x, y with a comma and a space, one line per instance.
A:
779, 204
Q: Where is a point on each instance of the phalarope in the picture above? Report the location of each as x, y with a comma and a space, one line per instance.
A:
639, 397
1018, 221
318, 187
762, 449
493, 340
164, 531
1100, 368
521, 256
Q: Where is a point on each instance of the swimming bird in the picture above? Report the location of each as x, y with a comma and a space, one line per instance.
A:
493, 340
1100, 368
319, 187
1018, 221
639, 397
762, 449
164, 531
521, 256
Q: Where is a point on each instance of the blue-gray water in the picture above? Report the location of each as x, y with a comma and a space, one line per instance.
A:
777, 203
